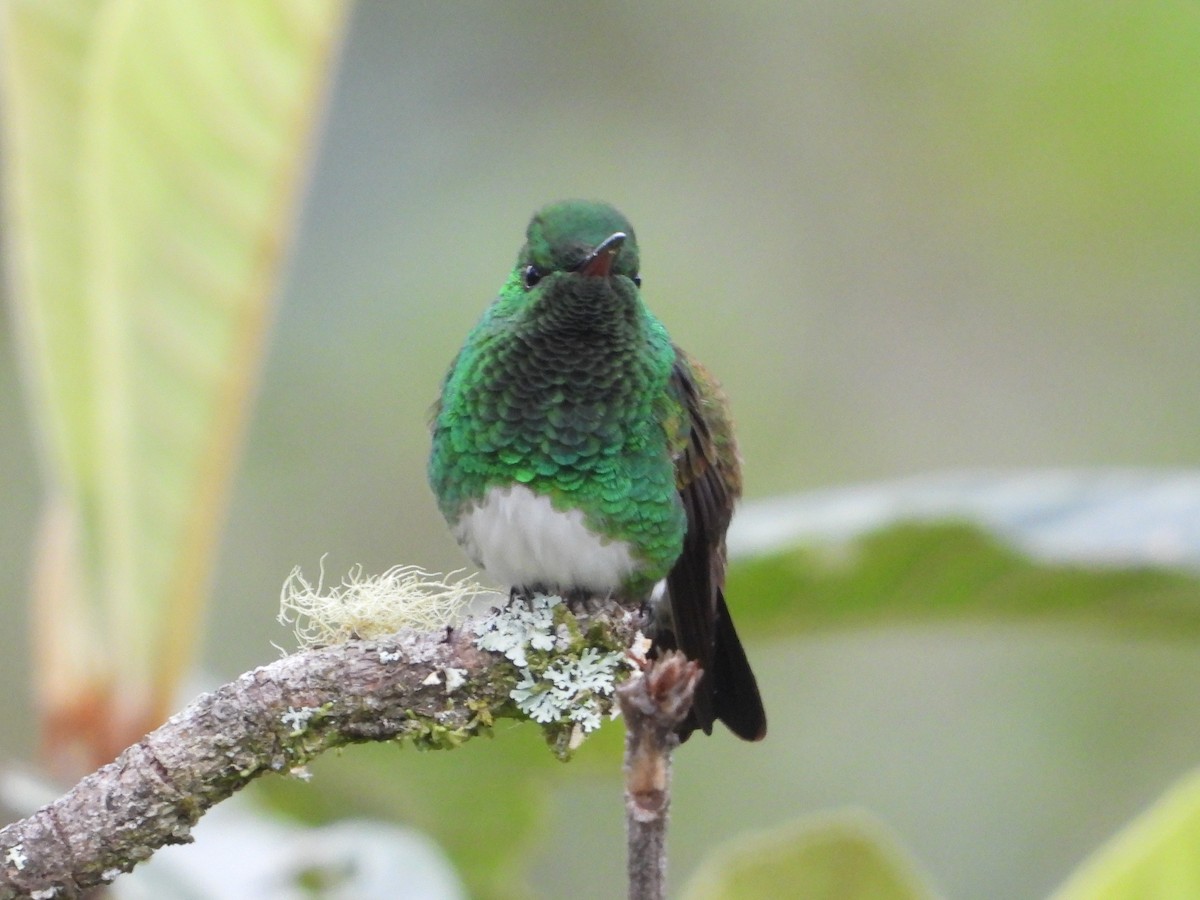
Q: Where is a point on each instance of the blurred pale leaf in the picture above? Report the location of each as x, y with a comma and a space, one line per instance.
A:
239, 851
1100, 516
45, 48
830, 858
482, 803
925, 572
1154, 857
1113, 548
155, 151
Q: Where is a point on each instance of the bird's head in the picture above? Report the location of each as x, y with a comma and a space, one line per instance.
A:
578, 238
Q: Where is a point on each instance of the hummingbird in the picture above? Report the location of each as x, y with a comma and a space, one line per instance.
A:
578, 451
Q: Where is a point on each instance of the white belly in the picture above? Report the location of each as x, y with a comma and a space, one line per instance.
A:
521, 540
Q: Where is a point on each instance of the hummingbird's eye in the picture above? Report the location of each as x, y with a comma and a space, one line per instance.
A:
637, 280
531, 276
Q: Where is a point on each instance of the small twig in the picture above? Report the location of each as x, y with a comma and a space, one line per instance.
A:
436, 690
653, 706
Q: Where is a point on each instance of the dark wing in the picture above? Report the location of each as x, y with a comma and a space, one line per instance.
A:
708, 477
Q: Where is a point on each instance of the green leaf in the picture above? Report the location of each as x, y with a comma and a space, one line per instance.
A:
155, 155
1155, 856
44, 55
842, 857
938, 572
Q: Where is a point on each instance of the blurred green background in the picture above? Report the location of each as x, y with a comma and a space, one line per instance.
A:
906, 236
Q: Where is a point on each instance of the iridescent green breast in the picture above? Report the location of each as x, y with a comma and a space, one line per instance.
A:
572, 403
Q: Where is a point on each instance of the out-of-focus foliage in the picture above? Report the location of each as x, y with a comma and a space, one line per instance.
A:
1153, 858
832, 858
484, 802
950, 571
907, 237
153, 157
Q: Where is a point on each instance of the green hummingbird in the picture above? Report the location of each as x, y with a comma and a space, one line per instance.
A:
578, 451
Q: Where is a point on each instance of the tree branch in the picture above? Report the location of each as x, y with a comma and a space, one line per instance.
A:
653, 706
437, 690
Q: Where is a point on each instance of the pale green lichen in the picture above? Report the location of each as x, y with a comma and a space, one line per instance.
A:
560, 677
564, 681
455, 678
570, 689
16, 856
519, 628
297, 718
370, 606
426, 733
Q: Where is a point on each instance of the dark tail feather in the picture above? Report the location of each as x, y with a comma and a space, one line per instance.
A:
728, 691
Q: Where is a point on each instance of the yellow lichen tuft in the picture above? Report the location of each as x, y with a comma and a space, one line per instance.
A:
368, 606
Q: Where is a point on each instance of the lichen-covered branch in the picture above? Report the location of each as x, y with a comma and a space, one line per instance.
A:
436, 690
653, 706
